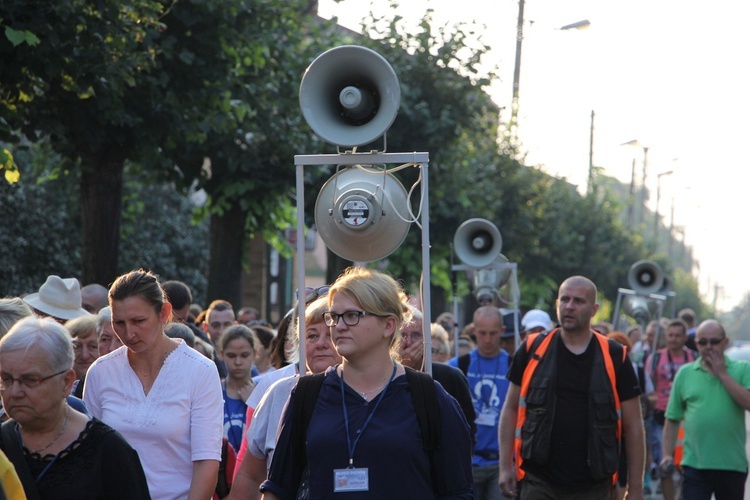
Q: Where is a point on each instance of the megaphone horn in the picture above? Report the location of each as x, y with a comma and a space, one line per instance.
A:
645, 277
477, 242
349, 95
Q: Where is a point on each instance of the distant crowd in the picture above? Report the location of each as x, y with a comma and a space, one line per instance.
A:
134, 391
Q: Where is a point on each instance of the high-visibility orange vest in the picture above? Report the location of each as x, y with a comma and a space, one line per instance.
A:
679, 446
533, 363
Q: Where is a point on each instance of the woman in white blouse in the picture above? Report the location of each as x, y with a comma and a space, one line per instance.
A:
163, 396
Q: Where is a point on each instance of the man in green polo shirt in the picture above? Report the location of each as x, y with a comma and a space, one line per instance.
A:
711, 395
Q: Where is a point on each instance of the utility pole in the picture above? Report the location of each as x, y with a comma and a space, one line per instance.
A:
517, 69
591, 187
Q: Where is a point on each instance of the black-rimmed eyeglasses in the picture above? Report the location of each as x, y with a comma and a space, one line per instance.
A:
351, 318
705, 342
27, 381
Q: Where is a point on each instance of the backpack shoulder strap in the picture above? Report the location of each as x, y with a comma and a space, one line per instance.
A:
425, 402
305, 395
533, 341
222, 485
463, 363
655, 360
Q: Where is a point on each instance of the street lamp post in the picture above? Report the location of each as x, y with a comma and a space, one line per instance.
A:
578, 25
656, 210
644, 194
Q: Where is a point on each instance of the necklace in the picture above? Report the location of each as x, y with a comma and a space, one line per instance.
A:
59, 434
364, 394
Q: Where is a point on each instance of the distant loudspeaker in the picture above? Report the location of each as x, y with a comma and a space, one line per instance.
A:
477, 242
349, 96
362, 214
646, 277
487, 281
637, 307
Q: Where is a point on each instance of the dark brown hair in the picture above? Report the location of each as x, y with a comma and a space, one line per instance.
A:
140, 283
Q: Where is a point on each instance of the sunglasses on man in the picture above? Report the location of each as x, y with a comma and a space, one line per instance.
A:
705, 342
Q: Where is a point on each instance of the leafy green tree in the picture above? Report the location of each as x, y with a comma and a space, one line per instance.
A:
41, 227
244, 159
444, 111
169, 85
73, 82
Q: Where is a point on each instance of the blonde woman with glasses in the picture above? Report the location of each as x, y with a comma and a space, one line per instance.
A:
363, 436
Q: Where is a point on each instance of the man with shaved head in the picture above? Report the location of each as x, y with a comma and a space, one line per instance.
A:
573, 397
710, 396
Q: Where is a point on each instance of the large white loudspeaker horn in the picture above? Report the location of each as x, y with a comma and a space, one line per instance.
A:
645, 277
361, 214
477, 242
349, 95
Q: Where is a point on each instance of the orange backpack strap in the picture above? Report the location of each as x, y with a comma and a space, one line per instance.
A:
536, 347
610, 367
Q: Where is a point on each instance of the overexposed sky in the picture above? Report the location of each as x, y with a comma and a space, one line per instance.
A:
670, 74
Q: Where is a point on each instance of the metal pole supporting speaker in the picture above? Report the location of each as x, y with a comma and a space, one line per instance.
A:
349, 96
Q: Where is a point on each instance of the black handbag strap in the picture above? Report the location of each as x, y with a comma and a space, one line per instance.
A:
12, 448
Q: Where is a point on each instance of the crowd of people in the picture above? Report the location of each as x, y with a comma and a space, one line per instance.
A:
134, 391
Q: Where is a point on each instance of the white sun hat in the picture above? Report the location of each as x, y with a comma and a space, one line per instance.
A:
59, 298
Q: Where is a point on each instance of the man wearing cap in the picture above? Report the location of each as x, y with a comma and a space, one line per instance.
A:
58, 298
535, 321
485, 367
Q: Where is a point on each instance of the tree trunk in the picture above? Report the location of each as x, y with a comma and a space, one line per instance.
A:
225, 262
336, 266
101, 207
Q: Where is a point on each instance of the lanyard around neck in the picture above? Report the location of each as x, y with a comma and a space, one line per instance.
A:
352, 446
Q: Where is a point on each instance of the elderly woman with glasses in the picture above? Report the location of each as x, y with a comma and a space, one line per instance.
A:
261, 435
363, 433
57, 451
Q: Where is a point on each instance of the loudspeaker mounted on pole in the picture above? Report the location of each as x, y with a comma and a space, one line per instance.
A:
349, 96
646, 277
361, 213
477, 242
487, 282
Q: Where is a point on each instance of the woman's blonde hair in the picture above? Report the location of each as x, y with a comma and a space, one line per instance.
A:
82, 327
313, 314
374, 292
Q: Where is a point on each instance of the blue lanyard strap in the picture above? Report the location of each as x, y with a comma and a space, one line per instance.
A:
350, 445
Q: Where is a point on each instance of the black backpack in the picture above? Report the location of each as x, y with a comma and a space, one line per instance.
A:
423, 396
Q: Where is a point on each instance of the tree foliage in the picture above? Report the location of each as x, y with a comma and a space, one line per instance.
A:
41, 228
158, 83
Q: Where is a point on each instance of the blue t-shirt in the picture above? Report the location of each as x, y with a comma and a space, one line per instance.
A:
235, 411
488, 387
